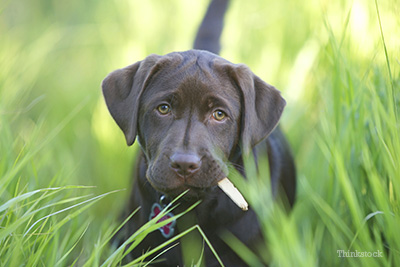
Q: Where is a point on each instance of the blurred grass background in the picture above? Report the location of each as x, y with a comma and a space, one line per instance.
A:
336, 66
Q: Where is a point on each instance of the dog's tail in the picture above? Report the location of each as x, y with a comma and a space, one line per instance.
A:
210, 30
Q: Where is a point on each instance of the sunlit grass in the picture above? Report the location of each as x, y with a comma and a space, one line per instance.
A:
63, 159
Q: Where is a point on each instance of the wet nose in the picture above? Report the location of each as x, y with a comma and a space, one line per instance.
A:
185, 164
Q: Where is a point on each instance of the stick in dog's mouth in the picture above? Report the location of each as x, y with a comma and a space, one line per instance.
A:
234, 194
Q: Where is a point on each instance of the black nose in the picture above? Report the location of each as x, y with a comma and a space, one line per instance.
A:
185, 164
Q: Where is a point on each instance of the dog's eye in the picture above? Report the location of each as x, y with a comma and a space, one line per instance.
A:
219, 115
164, 109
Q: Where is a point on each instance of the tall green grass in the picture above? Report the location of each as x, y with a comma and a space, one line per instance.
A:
63, 162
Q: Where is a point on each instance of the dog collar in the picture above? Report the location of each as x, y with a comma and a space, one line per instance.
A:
167, 230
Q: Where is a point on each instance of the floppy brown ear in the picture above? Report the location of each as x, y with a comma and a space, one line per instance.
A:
122, 89
262, 107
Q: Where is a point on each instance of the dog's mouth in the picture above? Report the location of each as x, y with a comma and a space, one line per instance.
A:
196, 185
191, 193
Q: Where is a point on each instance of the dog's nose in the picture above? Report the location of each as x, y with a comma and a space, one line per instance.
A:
185, 164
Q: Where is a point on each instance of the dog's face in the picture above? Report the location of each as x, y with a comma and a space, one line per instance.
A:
193, 112
188, 125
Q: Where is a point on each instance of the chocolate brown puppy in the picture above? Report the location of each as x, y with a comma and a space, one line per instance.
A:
195, 115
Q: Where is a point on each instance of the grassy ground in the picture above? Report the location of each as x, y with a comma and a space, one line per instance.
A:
63, 161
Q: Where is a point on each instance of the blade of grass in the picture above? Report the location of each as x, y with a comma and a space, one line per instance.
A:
22, 197
63, 258
98, 250
393, 108
175, 238
241, 249
71, 207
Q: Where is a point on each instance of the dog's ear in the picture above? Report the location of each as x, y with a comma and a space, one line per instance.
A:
262, 106
122, 89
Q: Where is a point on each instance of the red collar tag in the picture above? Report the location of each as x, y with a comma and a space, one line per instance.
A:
167, 230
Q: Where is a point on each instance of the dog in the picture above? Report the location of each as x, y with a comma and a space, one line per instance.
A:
195, 114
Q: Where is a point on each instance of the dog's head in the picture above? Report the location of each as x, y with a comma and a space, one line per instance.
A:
193, 112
